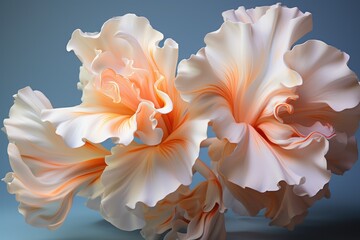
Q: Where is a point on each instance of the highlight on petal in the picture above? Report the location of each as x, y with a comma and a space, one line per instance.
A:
47, 174
125, 37
146, 174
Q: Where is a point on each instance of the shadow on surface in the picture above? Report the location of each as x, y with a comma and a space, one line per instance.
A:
340, 229
101, 230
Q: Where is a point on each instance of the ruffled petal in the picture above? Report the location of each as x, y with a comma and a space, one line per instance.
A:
303, 165
199, 211
326, 76
80, 124
284, 207
117, 36
137, 173
330, 95
242, 62
111, 110
343, 153
47, 174
209, 225
166, 59
121, 77
162, 216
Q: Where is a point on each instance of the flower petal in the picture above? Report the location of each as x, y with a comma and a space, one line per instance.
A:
199, 211
242, 62
243, 15
137, 173
209, 225
47, 173
330, 94
303, 165
116, 32
100, 117
327, 78
166, 59
123, 68
284, 207
80, 124
343, 153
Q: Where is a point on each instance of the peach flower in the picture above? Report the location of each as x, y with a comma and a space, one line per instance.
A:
123, 67
47, 174
274, 108
128, 93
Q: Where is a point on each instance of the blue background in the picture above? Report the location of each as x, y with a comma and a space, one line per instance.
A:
32, 53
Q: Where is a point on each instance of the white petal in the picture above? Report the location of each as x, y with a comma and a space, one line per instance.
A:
47, 173
242, 62
140, 173
303, 166
327, 78
119, 34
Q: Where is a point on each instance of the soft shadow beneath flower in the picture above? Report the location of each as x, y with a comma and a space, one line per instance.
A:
314, 227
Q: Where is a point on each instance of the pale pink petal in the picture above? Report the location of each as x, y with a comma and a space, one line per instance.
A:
117, 36
284, 207
243, 15
330, 95
343, 153
47, 174
343, 150
242, 62
219, 150
141, 173
326, 76
195, 75
303, 165
206, 226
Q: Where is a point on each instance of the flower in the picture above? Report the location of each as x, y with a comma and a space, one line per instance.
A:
128, 94
274, 108
284, 117
123, 68
47, 174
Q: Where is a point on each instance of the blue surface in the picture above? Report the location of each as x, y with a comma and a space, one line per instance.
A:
32, 45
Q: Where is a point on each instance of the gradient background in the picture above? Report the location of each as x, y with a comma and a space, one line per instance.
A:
32, 53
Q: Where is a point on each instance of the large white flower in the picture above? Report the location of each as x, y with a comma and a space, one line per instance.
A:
275, 108
128, 92
47, 174
123, 68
